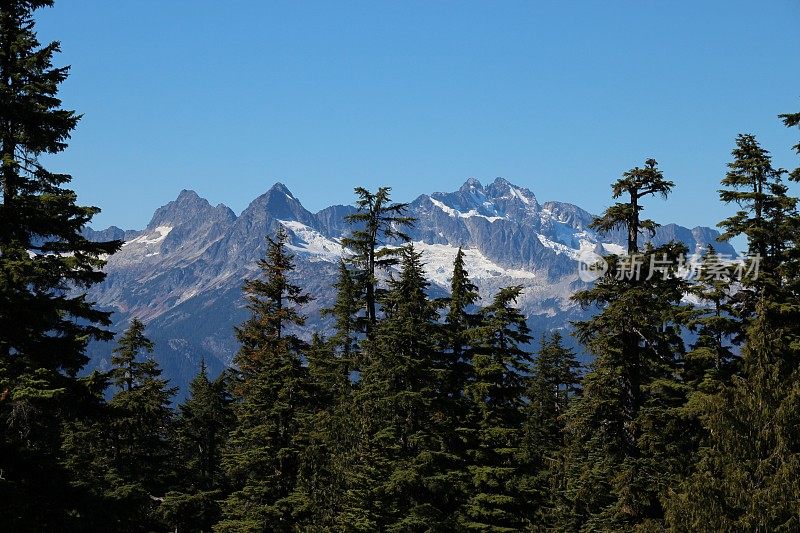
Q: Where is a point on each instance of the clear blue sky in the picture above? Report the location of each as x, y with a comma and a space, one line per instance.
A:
561, 97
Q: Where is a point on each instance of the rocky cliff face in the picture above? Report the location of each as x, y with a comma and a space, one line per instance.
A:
183, 274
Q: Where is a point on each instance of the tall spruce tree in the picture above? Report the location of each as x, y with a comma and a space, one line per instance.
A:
140, 426
271, 389
749, 463
624, 435
204, 420
553, 384
496, 501
402, 481
46, 265
377, 222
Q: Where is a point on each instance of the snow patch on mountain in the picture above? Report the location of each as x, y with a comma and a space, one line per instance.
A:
156, 236
455, 213
313, 242
438, 262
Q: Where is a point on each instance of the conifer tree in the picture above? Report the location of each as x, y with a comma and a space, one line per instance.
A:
46, 265
764, 217
271, 390
553, 384
460, 323
377, 222
323, 459
711, 360
496, 501
201, 430
749, 463
625, 433
140, 426
748, 475
344, 312
402, 480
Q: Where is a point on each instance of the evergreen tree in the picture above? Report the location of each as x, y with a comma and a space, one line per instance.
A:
344, 312
140, 427
201, 430
46, 265
764, 217
625, 435
271, 390
553, 384
496, 500
749, 462
402, 480
460, 323
377, 222
748, 475
711, 360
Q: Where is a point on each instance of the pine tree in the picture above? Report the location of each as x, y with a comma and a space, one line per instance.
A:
46, 265
460, 324
749, 462
201, 430
377, 222
711, 360
764, 216
402, 479
271, 390
140, 427
625, 434
553, 384
496, 501
344, 312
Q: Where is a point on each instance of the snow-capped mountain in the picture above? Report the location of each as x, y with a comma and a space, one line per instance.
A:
183, 273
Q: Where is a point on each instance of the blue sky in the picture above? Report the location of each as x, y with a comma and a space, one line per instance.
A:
228, 97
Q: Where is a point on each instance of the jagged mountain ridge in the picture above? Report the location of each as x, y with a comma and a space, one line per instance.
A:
183, 273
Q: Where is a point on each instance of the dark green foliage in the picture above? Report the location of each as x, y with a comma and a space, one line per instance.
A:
553, 384
791, 120
405, 476
625, 441
200, 433
140, 426
748, 476
45, 267
496, 501
271, 389
378, 222
637, 183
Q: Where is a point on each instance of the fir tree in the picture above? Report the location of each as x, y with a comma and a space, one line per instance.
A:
496, 500
746, 476
271, 390
377, 222
625, 434
201, 430
402, 480
553, 384
140, 426
765, 216
46, 265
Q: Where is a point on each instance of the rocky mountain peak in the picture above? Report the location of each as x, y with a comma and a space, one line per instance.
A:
187, 207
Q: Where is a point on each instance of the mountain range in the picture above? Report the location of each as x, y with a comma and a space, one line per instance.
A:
183, 274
